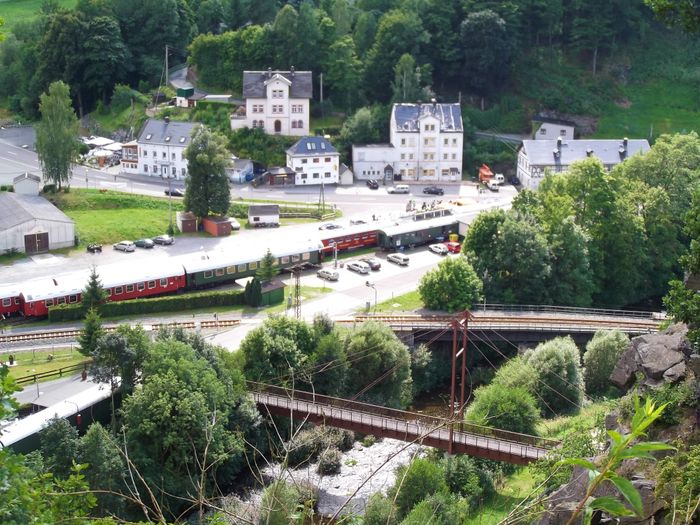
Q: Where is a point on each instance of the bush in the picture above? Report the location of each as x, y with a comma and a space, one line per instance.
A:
168, 303
309, 443
414, 482
465, 478
452, 286
680, 397
380, 511
558, 369
49, 188
279, 501
329, 461
602, 354
512, 409
368, 440
7, 187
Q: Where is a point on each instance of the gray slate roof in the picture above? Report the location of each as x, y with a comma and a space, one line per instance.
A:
180, 133
263, 209
312, 146
254, 83
407, 116
16, 209
541, 152
29, 176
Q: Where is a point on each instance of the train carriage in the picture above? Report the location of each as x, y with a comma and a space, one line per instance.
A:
415, 233
38, 295
139, 279
10, 302
361, 236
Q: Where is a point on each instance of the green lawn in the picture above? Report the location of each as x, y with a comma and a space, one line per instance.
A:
29, 363
110, 121
654, 108
13, 11
514, 489
329, 121
401, 303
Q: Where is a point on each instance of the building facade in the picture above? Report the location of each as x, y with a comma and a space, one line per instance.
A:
314, 161
544, 128
536, 158
426, 143
276, 101
160, 149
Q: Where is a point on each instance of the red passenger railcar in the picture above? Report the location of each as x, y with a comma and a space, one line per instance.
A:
363, 236
140, 279
10, 302
39, 295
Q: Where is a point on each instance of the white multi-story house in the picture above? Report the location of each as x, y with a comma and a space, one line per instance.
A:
545, 128
536, 158
314, 161
161, 149
276, 101
426, 142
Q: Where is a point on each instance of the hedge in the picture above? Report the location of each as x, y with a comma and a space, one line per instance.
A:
168, 303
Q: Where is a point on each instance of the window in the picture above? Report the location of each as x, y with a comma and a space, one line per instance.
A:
174, 171
151, 285
403, 156
173, 156
208, 274
7, 302
155, 169
145, 168
446, 141
257, 108
303, 176
297, 108
141, 287
300, 124
109, 292
316, 160
327, 174
129, 288
403, 142
562, 132
277, 93
163, 283
305, 256
184, 172
241, 267
543, 131
48, 303
294, 123
445, 173
315, 175
327, 159
118, 290
231, 270
277, 109
444, 156
304, 161
410, 156
74, 298
298, 169
219, 272
295, 258
252, 266
454, 142
454, 156
284, 260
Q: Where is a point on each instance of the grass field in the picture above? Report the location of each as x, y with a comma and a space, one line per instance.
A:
401, 303
29, 363
13, 11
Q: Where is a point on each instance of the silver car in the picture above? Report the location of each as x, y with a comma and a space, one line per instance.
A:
328, 275
125, 246
359, 267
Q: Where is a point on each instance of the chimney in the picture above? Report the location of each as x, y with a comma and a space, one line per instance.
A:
589, 152
555, 151
268, 74
624, 142
291, 71
167, 120
558, 142
434, 102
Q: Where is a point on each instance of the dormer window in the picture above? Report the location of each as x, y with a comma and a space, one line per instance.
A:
148, 137
182, 139
167, 139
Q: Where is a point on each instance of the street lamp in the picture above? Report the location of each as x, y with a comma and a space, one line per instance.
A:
170, 200
371, 285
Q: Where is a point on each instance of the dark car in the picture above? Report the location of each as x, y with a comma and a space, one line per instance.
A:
374, 263
163, 239
515, 181
94, 248
175, 192
144, 243
433, 190
372, 184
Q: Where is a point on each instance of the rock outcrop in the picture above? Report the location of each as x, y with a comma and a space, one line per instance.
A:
660, 358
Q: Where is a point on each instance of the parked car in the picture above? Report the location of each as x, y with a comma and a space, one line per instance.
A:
354, 222
163, 239
515, 181
372, 184
440, 249
175, 192
357, 266
398, 258
330, 226
433, 190
94, 248
235, 225
125, 246
328, 275
144, 243
399, 188
453, 247
493, 186
374, 263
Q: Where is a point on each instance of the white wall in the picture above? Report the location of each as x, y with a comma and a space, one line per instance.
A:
368, 162
158, 157
549, 131
61, 235
325, 170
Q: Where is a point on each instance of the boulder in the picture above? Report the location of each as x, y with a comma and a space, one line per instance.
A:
660, 357
694, 365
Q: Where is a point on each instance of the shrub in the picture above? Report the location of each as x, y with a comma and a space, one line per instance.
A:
679, 397
516, 373
602, 354
416, 481
49, 188
329, 461
558, 369
465, 478
309, 443
452, 286
168, 303
279, 501
368, 440
380, 511
512, 409
679, 482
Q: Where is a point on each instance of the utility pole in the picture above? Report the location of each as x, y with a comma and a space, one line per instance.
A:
321, 79
167, 76
322, 201
296, 272
459, 327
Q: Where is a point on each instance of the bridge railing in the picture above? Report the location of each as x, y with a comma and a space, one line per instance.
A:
432, 421
572, 310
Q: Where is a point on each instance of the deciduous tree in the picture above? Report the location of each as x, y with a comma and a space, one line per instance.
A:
206, 188
602, 354
511, 409
414, 482
57, 134
452, 286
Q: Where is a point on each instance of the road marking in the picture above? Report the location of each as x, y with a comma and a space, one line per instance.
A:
20, 163
11, 153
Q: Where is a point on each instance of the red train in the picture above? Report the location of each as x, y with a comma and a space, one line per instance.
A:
361, 236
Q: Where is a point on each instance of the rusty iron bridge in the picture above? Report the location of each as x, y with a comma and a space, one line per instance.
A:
452, 436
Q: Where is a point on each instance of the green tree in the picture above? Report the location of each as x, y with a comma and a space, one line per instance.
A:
380, 510
279, 503
268, 267
592, 27
441, 20
378, 357
409, 82
452, 286
464, 477
571, 280
253, 292
93, 295
330, 366
364, 32
105, 470
602, 354
677, 12
414, 482
206, 187
343, 72
560, 379
59, 447
91, 333
285, 32
342, 17
113, 361
57, 134
512, 409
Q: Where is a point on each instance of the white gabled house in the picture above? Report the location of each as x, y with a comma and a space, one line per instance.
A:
160, 149
536, 158
314, 161
426, 142
275, 101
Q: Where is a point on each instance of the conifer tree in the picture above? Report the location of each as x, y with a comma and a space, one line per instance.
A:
93, 295
268, 267
92, 332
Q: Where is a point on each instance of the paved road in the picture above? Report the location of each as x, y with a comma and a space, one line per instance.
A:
52, 392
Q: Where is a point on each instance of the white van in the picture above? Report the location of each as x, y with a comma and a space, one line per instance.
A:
398, 258
399, 188
499, 179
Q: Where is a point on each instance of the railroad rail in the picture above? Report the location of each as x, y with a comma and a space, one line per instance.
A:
457, 437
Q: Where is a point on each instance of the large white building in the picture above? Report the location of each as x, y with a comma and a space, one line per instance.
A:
539, 157
314, 161
276, 101
426, 143
160, 148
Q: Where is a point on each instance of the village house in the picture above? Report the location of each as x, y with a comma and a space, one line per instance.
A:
275, 101
314, 161
536, 158
425, 145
